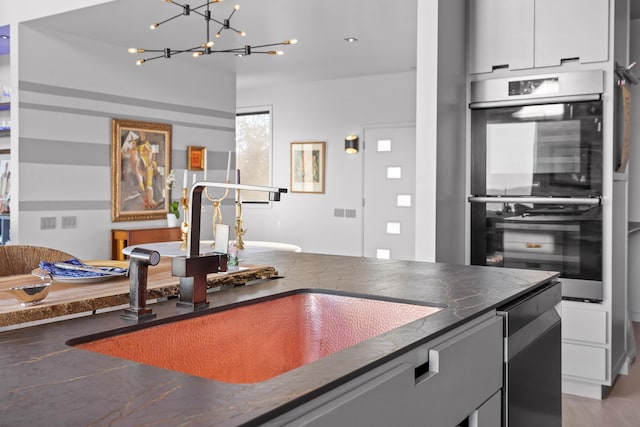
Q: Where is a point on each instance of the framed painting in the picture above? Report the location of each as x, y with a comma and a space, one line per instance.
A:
140, 163
195, 158
307, 167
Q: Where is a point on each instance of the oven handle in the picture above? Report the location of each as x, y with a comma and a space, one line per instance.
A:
539, 200
534, 101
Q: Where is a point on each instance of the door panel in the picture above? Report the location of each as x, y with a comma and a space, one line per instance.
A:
389, 192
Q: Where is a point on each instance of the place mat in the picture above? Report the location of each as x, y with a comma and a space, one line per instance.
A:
58, 272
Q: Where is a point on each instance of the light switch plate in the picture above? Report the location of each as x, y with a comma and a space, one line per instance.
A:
47, 223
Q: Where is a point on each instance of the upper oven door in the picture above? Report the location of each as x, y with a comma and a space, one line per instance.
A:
537, 150
537, 137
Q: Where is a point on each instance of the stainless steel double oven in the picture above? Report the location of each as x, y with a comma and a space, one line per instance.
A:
536, 177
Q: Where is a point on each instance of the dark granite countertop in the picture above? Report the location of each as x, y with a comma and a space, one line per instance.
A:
45, 382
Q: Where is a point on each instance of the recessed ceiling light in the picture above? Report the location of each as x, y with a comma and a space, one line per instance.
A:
350, 39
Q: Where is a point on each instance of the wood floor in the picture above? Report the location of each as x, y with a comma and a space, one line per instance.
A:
620, 409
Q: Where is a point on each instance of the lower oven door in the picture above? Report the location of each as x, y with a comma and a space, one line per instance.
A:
557, 234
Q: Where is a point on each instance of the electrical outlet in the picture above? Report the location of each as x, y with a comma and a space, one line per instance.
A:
47, 223
337, 212
350, 213
69, 222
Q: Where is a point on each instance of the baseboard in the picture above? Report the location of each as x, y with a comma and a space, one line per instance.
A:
584, 389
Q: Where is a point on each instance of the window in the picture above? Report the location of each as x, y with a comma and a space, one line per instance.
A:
253, 151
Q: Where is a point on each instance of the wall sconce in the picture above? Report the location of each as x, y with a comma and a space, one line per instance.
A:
351, 144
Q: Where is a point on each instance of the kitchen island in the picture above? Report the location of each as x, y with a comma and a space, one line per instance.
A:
46, 382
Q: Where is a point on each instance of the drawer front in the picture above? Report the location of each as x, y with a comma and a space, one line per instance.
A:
584, 325
464, 372
584, 362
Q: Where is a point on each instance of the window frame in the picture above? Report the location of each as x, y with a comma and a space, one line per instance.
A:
247, 111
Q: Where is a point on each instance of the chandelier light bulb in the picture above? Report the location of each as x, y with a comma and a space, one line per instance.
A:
292, 41
154, 26
209, 44
140, 61
236, 7
242, 33
196, 54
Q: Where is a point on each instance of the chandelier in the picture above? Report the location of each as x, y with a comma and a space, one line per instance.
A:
206, 48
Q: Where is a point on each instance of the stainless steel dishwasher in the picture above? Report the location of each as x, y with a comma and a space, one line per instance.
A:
532, 393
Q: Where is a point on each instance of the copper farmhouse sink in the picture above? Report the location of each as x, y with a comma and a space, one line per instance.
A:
260, 339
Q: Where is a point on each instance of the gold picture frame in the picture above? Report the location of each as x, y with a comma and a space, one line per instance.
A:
195, 158
140, 163
307, 167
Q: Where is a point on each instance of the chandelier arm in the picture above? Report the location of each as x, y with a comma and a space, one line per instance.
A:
233, 50
167, 20
195, 9
268, 45
152, 58
176, 3
234, 29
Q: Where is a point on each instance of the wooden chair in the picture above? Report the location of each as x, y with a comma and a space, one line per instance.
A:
22, 259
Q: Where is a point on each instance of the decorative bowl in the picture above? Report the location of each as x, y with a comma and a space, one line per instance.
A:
33, 294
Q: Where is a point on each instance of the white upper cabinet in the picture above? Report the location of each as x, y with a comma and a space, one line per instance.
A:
501, 35
571, 30
522, 34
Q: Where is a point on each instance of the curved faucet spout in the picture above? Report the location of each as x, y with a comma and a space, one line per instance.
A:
195, 207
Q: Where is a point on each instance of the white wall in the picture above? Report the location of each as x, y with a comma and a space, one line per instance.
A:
70, 90
325, 111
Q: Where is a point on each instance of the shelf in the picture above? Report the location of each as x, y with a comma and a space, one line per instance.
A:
5, 133
5, 105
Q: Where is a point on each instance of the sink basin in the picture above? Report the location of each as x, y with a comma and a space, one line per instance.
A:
259, 339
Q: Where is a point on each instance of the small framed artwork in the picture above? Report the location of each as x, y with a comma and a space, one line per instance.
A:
195, 158
307, 167
140, 163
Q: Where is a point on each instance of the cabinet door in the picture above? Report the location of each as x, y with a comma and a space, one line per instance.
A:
570, 30
500, 35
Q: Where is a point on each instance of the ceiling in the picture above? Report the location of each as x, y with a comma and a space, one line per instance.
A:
386, 35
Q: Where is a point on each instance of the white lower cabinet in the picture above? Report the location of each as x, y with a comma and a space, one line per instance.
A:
441, 383
585, 349
584, 362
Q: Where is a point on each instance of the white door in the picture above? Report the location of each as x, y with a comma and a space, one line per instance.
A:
389, 192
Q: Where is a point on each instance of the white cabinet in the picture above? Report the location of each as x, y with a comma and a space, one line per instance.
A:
521, 34
440, 383
571, 30
501, 35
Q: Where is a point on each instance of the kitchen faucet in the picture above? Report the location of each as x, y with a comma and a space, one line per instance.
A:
193, 268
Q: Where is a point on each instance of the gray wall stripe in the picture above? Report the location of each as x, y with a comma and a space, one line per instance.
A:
119, 99
64, 205
83, 112
33, 150
49, 151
